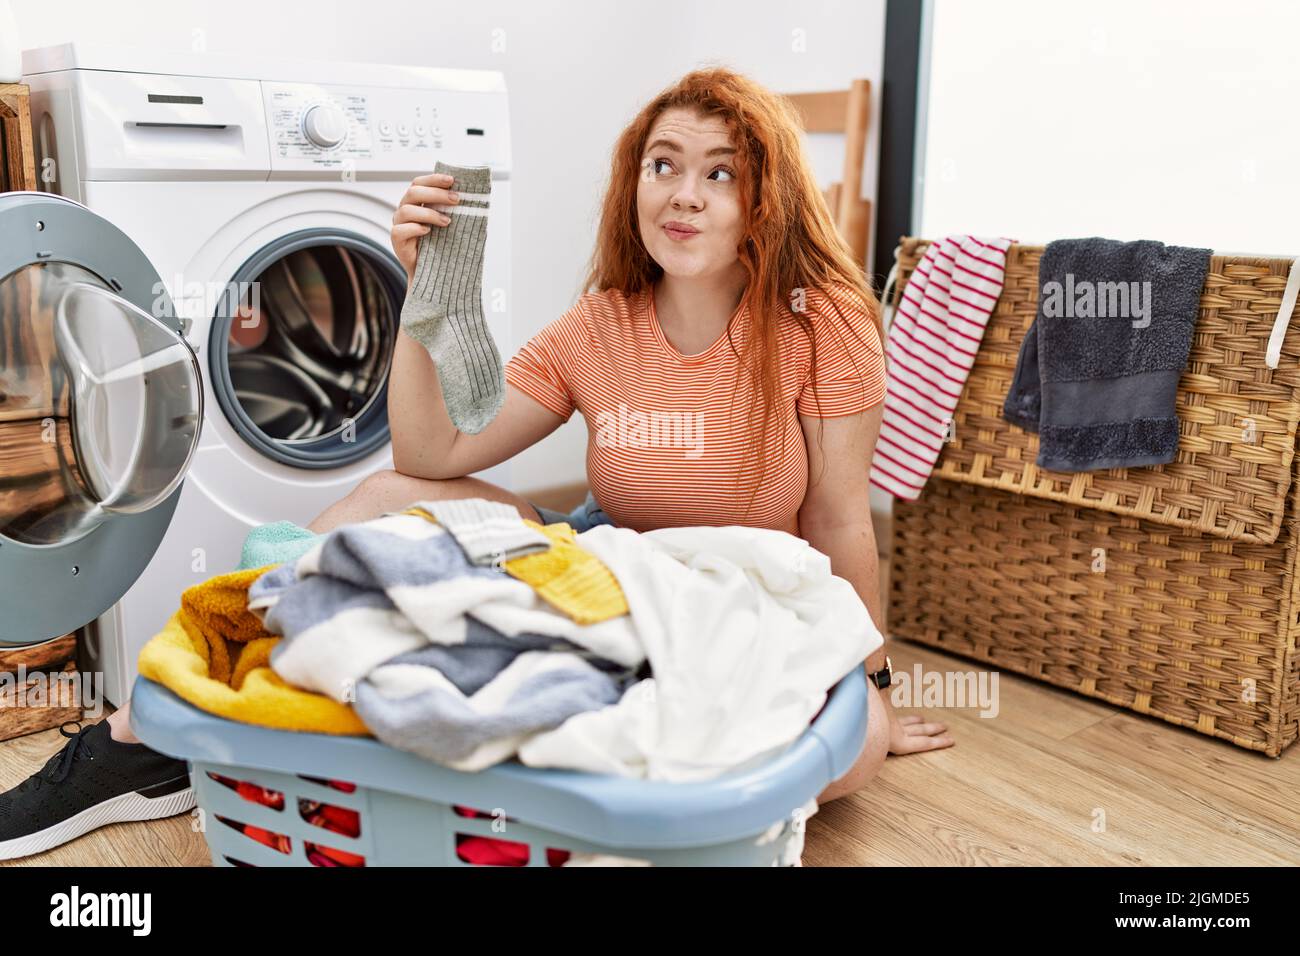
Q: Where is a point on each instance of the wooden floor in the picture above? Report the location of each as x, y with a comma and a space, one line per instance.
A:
1054, 778
1058, 778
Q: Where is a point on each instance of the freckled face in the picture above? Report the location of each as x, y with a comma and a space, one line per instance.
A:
688, 176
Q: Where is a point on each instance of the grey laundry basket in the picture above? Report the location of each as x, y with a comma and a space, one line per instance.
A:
411, 810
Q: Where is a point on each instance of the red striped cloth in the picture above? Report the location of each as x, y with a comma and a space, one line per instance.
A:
933, 338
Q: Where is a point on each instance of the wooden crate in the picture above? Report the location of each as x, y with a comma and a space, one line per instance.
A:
46, 696
24, 707
17, 156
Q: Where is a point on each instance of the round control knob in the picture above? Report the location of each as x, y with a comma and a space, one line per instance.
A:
325, 126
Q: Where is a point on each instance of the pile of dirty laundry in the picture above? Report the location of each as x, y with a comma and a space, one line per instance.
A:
466, 634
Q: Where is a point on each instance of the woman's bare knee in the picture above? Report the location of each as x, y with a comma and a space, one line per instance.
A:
388, 490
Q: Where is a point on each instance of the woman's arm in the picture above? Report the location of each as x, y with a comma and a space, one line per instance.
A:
835, 518
426, 443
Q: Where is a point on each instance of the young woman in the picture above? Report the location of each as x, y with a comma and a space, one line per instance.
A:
727, 360
718, 289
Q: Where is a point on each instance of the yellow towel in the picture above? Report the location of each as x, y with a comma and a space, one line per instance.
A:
216, 654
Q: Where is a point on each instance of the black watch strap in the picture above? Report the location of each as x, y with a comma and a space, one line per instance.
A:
883, 677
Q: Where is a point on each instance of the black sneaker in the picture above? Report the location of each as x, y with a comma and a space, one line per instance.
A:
93, 781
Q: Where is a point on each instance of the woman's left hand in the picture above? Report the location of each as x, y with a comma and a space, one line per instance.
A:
910, 734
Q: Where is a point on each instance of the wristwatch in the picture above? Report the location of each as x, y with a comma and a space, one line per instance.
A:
883, 677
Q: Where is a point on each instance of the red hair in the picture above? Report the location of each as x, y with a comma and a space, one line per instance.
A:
789, 246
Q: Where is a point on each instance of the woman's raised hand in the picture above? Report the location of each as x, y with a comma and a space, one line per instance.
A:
414, 217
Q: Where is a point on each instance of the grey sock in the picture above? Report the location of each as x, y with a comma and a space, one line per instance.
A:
444, 306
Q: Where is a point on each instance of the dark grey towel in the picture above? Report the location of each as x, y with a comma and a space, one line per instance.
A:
1097, 374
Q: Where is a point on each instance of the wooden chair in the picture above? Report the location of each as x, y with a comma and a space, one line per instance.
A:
846, 112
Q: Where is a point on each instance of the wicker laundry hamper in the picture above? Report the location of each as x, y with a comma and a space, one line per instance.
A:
1190, 609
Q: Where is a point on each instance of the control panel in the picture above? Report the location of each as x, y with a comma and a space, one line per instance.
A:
307, 122
336, 130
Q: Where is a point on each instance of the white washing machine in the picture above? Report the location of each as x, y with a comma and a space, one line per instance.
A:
262, 192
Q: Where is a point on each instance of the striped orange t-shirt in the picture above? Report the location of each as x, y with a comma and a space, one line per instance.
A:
667, 433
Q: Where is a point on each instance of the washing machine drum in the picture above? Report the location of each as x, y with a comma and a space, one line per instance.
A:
100, 410
300, 349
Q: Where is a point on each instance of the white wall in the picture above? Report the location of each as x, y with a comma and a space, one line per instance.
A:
1130, 119
577, 72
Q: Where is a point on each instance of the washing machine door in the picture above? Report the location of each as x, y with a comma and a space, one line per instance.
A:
100, 410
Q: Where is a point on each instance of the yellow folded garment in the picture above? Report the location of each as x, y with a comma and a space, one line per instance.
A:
570, 577
216, 654
567, 576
